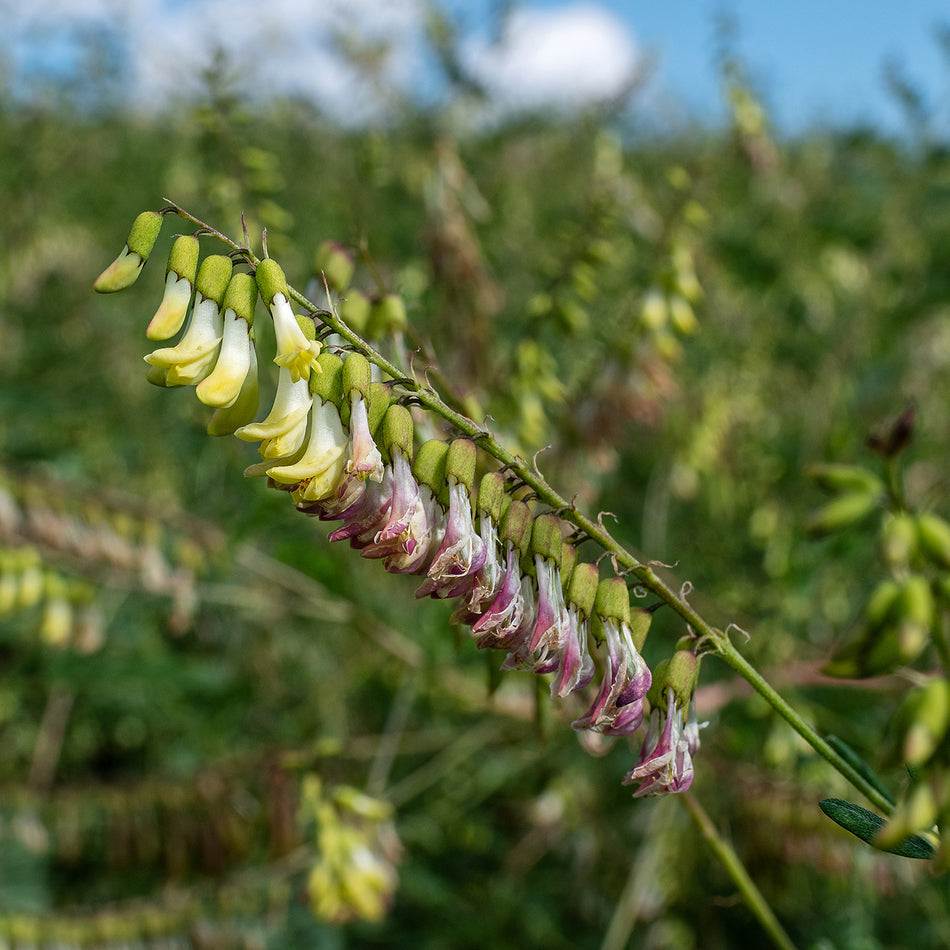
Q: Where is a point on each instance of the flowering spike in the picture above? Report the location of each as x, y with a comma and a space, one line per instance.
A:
179, 283
125, 269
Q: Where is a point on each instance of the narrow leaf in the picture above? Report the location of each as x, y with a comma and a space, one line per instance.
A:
865, 824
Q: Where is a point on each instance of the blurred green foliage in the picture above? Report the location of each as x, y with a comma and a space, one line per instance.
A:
685, 321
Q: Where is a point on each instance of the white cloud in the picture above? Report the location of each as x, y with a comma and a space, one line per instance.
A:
558, 57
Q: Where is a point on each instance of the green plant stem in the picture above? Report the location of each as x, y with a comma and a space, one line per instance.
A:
709, 638
740, 877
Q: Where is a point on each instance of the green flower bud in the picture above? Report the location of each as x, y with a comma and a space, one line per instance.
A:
460, 462
179, 283
882, 603
546, 538
125, 269
354, 310
271, 280
926, 712
335, 262
843, 512
397, 430
582, 588
916, 616
917, 812
357, 375
516, 526
491, 496
836, 478
430, 464
328, 383
387, 316
213, 278
898, 540
934, 535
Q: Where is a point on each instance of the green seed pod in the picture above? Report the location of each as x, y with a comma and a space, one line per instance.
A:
898, 540
335, 262
840, 513
934, 535
838, 479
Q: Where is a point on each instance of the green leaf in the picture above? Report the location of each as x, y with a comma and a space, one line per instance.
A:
865, 825
859, 765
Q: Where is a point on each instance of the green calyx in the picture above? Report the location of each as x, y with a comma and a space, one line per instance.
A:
582, 588
546, 538
183, 258
379, 397
327, 383
491, 496
397, 430
679, 673
213, 277
144, 233
429, 466
271, 280
241, 297
460, 462
357, 376
640, 620
613, 599
568, 560
516, 526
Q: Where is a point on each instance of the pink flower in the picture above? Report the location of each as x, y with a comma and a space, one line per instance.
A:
665, 765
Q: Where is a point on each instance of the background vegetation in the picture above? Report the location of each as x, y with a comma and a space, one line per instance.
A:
685, 320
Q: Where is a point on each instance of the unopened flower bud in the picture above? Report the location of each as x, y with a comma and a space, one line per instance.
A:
837, 478
335, 262
840, 513
926, 711
917, 812
934, 535
898, 540
355, 310
387, 316
125, 269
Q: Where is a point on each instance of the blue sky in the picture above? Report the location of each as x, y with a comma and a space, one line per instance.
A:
813, 62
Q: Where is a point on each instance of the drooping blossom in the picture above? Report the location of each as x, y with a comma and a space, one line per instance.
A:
194, 356
125, 269
297, 347
225, 382
179, 286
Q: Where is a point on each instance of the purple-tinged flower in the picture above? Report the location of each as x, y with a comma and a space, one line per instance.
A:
363, 459
575, 666
462, 552
618, 706
665, 764
369, 513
